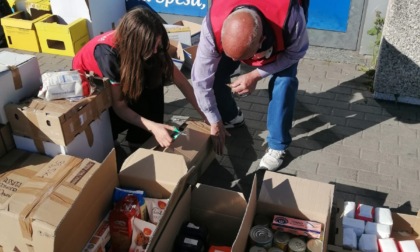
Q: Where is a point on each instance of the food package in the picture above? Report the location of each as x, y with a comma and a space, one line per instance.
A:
155, 209
142, 232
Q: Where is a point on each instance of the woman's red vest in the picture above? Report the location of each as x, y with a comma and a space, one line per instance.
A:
275, 12
85, 59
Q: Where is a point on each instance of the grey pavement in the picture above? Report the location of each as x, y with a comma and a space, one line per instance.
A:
369, 149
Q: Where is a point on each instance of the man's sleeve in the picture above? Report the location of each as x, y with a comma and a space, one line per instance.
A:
203, 73
296, 43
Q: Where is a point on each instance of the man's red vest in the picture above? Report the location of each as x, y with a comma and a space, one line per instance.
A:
85, 59
275, 12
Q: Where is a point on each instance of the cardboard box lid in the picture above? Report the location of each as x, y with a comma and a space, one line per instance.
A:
11, 59
176, 52
16, 168
157, 172
297, 197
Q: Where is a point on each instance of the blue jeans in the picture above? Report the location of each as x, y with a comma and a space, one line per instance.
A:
282, 90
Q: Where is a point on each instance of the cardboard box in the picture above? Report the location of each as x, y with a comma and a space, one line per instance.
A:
179, 33
160, 175
289, 196
101, 239
57, 37
59, 208
20, 78
405, 227
94, 143
176, 53
189, 54
56, 121
102, 15
20, 31
6, 139
219, 210
194, 28
196, 146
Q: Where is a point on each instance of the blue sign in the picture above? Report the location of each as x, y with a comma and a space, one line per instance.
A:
330, 15
197, 8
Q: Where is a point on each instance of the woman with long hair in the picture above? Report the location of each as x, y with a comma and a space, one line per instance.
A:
135, 58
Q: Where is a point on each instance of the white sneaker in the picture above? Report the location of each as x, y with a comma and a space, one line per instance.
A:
272, 159
238, 121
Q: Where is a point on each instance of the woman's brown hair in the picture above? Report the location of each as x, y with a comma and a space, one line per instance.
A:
135, 41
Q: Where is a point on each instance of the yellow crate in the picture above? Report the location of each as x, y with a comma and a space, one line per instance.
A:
37, 8
56, 37
20, 32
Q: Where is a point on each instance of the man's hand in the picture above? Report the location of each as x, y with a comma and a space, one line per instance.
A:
245, 84
218, 134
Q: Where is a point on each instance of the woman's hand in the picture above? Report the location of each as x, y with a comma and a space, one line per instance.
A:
162, 134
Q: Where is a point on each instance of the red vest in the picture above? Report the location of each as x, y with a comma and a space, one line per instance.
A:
275, 12
85, 59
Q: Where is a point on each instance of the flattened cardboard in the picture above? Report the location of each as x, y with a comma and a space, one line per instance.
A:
289, 196
26, 72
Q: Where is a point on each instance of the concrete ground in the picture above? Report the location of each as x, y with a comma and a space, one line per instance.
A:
369, 149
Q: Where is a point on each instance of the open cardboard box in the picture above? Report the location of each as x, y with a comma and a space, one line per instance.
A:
405, 227
58, 203
160, 175
218, 210
289, 196
195, 30
195, 146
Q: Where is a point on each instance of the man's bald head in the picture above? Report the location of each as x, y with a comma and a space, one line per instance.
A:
241, 34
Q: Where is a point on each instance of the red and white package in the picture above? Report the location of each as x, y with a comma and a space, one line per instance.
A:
121, 222
142, 232
408, 246
387, 245
64, 84
365, 212
155, 209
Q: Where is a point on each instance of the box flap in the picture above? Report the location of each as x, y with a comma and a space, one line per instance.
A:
297, 197
243, 234
194, 27
156, 171
70, 11
9, 59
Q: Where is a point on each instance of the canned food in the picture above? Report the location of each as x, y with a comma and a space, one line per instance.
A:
261, 236
257, 249
314, 245
297, 244
274, 249
281, 239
